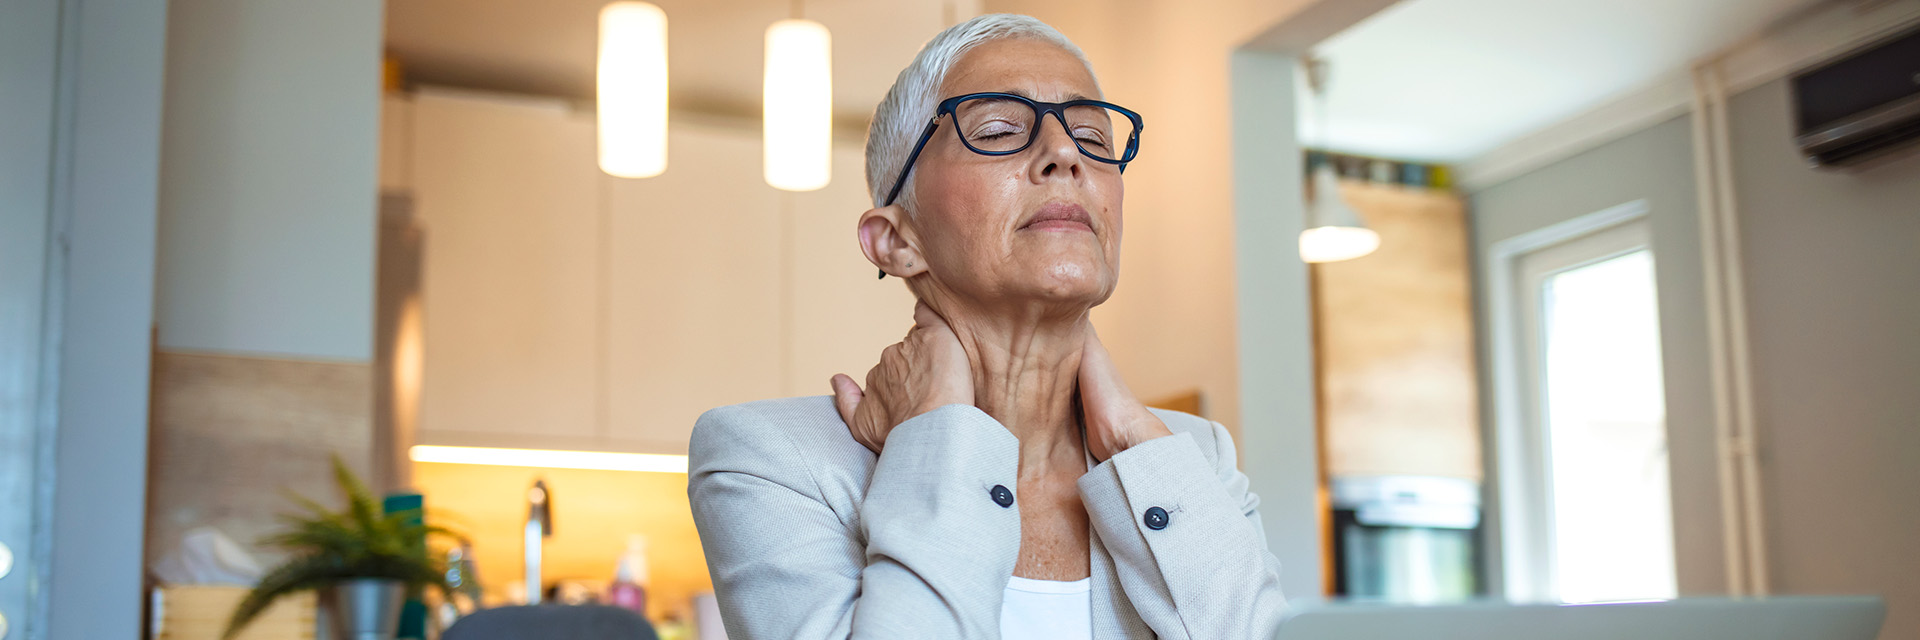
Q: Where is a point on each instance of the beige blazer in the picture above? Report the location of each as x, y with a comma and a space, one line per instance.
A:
809, 535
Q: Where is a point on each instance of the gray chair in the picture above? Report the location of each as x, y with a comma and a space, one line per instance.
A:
552, 622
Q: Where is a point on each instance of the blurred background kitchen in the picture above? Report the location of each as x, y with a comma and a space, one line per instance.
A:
1535, 299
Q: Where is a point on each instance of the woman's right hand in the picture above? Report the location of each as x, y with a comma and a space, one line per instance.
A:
925, 371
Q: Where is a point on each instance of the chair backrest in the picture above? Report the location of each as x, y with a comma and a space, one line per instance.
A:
552, 622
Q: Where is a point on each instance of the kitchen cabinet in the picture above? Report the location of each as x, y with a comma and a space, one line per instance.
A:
726, 290
568, 309
508, 197
695, 298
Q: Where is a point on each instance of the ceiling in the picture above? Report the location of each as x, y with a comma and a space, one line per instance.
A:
714, 47
1449, 80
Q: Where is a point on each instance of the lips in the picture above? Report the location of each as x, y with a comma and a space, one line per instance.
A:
1060, 216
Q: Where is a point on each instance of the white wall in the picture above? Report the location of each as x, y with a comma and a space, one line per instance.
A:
268, 184
1832, 267
1655, 165
106, 170
1274, 319
29, 38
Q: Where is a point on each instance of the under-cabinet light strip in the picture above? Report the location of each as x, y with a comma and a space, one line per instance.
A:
651, 462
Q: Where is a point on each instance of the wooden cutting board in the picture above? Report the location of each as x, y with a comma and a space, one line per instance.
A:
200, 612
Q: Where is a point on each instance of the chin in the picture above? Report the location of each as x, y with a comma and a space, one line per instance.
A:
1074, 281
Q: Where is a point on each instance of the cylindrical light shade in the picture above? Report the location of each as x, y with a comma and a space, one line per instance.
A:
797, 105
1334, 230
633, 90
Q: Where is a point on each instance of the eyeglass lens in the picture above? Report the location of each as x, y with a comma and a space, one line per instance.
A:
999, 125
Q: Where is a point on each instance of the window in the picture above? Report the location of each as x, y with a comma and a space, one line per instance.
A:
1585, 501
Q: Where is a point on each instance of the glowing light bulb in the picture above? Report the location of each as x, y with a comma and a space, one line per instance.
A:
797, 107
632, 80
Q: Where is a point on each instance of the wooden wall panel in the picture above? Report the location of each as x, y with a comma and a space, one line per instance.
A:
230, 434
1394, 336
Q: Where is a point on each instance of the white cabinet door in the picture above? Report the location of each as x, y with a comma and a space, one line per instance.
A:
843, 316
509, 196
696, 302
718, 289
726, 290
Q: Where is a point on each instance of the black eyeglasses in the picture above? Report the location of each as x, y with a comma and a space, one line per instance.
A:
1003, 124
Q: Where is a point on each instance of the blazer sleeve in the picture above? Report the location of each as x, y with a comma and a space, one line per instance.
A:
786, 566
1206, 571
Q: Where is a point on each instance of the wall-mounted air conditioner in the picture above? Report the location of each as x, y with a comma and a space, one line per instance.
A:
1860, 104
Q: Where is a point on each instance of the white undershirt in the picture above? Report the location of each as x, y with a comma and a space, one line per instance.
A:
1047, 609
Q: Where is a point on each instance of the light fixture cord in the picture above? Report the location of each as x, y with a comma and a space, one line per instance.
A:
799, 9
1317, 81
1316, 68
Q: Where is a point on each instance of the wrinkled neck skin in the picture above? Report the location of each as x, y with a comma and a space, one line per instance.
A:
1025, 358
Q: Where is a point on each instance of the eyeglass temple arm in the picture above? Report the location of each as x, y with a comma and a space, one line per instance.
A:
900, 182
911, 157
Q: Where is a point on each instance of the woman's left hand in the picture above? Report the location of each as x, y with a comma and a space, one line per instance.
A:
1115, 419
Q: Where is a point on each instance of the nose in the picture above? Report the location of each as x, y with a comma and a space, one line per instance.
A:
1055, 157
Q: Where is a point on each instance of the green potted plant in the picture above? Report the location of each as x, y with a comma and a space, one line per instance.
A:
363, 562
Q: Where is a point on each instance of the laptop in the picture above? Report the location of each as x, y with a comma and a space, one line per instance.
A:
1774, 618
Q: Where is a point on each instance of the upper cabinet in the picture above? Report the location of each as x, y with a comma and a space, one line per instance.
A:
696, 289
509, 200
567, 309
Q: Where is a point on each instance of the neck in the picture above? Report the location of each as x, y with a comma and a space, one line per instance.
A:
1026, 369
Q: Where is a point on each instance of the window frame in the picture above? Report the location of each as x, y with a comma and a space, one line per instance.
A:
1519, 537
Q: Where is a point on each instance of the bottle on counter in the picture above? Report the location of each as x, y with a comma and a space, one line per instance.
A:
629, 588
465, 596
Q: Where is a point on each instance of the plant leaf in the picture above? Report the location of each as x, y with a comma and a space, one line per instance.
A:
298, 574
358, 541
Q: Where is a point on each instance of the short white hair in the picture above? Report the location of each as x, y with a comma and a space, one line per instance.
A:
910, 103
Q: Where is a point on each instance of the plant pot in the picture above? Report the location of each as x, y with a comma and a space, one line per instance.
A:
364, 609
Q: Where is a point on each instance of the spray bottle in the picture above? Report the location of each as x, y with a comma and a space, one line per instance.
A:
629, 588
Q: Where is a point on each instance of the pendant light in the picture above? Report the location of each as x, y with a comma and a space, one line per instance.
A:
1334, 231
797, 104
632, 88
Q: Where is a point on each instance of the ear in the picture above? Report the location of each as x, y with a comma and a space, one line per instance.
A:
889, 243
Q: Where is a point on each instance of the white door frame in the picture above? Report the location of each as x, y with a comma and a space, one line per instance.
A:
1518, 546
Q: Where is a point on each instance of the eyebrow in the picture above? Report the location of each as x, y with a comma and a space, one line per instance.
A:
1070, 97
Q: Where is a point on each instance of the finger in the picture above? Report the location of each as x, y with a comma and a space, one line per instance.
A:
893, 359
1092, 351
925, 316
1099, 378
846, 396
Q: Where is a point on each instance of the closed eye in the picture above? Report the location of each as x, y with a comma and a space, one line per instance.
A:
1091, 136
995, 129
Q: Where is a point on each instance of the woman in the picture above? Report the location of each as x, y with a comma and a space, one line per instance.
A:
889, 511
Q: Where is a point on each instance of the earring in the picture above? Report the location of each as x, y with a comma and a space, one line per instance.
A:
883, 272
